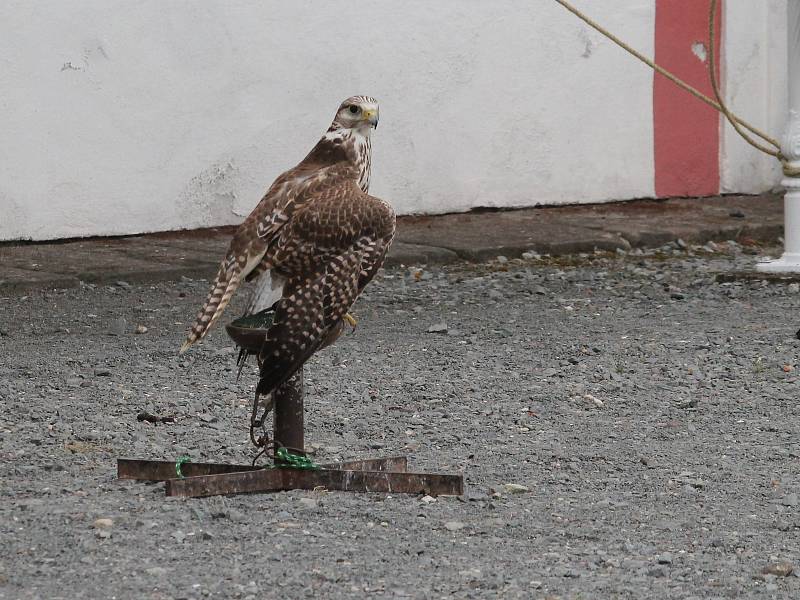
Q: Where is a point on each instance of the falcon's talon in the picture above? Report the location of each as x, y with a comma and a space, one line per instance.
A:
351, 320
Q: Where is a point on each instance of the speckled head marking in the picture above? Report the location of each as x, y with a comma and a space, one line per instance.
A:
352, 126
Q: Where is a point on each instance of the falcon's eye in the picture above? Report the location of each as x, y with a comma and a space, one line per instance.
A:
354, 109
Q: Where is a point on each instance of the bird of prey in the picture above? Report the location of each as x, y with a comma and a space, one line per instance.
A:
319, 238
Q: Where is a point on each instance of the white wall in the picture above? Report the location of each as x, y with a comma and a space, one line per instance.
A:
754, 75
125, 117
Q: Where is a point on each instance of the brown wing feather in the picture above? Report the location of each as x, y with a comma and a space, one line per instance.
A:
306, 316
247, 248
244, 251
225, 284
334, 245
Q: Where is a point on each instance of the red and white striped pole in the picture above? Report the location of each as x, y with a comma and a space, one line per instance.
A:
790, 146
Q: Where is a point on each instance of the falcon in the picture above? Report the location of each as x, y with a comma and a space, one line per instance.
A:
313, 242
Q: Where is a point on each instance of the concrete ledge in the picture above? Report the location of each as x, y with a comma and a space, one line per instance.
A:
735, 276
474, 236
403, 253
21, 280
574, 229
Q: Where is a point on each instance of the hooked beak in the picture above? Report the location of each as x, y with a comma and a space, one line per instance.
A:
371, 117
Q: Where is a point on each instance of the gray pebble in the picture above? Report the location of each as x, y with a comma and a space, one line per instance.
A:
118, 327
778, 569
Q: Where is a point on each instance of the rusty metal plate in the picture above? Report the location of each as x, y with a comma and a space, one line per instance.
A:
162, 470
274, 480
391, 464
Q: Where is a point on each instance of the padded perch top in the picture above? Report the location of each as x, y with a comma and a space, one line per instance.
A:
249, 331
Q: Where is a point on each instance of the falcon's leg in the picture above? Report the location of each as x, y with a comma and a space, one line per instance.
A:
351, 320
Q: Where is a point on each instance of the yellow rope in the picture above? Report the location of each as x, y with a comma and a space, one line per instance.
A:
737, 123
712, 75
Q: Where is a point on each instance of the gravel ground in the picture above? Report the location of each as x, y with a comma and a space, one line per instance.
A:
648, 412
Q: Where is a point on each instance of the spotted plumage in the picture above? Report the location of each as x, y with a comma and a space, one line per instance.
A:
319, 232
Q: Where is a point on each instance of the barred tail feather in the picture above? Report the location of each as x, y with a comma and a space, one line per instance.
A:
224, 287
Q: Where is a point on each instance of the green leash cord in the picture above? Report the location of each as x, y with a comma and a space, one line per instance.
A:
286, 460
179, 463
289, 460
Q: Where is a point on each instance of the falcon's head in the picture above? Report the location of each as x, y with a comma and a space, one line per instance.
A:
357, 112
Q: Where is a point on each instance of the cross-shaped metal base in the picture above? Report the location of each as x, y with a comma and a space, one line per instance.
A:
387, 475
